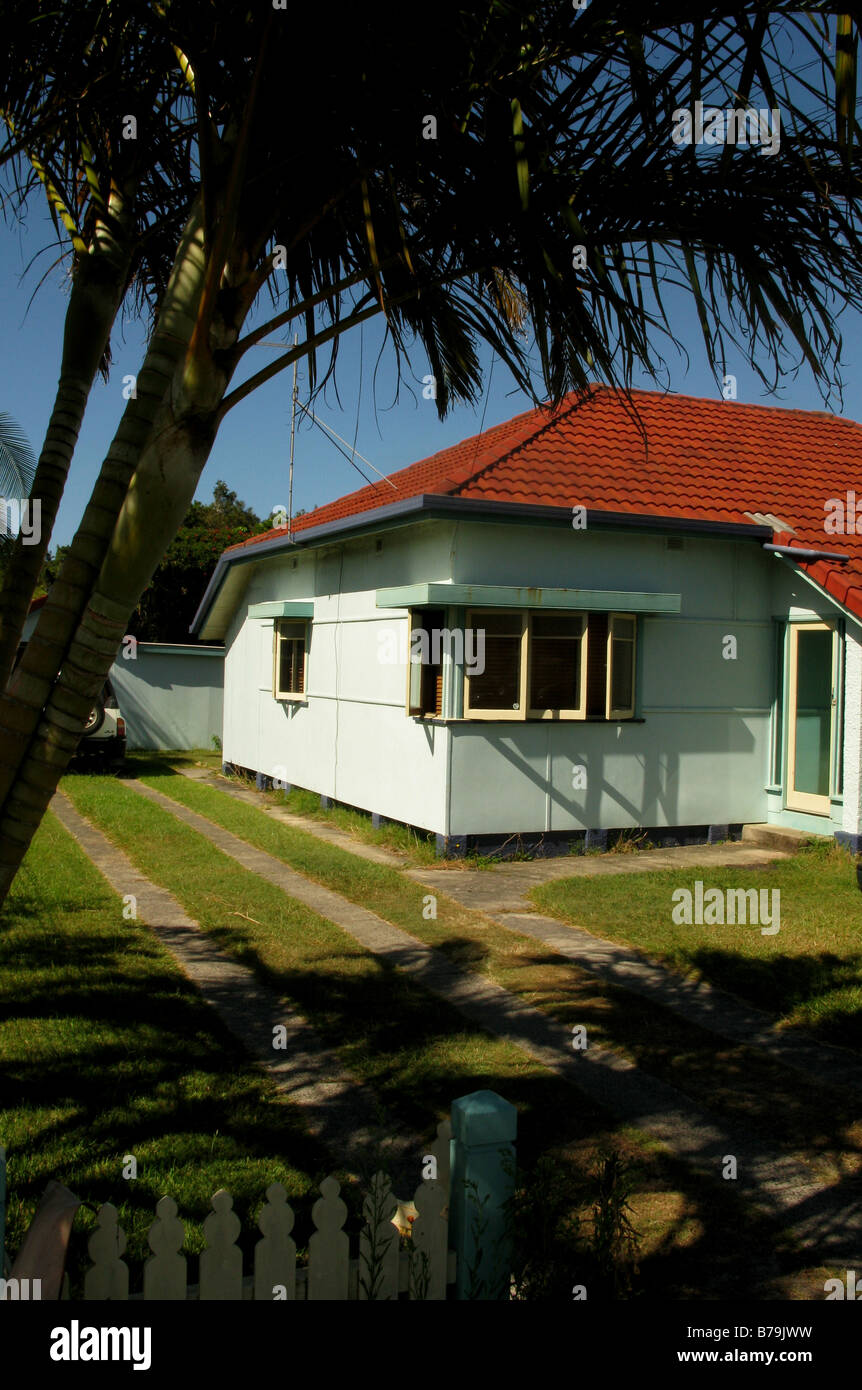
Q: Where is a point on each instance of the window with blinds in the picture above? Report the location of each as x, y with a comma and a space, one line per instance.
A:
425, 663
557, 670
499, 686
290, 640
553, 666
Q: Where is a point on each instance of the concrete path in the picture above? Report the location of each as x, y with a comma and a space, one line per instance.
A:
826, 1219
504, 887
501, 893
695, 1001
376, 854
337, 1108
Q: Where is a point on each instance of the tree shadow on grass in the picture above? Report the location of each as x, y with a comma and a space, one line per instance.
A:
167, 1084
783, 982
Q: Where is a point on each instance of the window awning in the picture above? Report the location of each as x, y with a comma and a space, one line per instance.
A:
437, 595
287, 608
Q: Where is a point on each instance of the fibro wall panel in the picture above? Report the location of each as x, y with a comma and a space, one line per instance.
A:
691, 769
706, 664
244, 664
364, 658
170, 695
790, 590
366, 755
717, 577
391, 764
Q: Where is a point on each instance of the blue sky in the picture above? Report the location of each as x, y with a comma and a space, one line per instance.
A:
251, 451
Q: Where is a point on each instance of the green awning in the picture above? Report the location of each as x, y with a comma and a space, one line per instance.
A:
438, 595
286, 608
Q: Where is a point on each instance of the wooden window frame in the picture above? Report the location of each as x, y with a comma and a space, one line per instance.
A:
525, 712
581, 711
612, 714
417, 672
811, 803
516, 715
298, 697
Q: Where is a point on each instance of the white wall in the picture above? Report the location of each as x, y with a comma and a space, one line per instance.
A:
170, 696
700, 756
353, 740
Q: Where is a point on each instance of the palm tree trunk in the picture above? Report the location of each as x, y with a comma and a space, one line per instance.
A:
162, 489
22, 704
98, 286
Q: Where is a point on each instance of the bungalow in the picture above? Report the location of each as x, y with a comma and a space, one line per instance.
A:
615, 614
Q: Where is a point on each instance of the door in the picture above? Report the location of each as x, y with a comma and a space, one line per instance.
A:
810, 717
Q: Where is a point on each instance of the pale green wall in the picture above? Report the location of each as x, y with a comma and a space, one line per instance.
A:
361, 747
701, 755
170, 696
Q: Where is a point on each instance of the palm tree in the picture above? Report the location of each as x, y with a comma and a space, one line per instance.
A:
495, 164
102, 193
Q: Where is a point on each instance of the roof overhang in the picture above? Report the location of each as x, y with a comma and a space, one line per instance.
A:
223, 593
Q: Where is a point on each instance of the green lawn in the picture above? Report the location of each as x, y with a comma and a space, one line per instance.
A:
809, 974
108, 1051
734, 1081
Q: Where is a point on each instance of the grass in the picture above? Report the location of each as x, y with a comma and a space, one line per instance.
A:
108, 1051
415, 1052
699, 1239
736, 1082
809, 975
418, 1054
418, 846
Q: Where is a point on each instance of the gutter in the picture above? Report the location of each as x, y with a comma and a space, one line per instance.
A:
796, 552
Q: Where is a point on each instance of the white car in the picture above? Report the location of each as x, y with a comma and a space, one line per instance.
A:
104, 736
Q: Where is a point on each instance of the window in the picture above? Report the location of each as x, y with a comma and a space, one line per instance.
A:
621, 667
557, 669
499, 688
553, 666
290, 639
425, 663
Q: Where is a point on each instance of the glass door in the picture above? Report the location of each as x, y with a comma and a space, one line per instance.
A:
810, 717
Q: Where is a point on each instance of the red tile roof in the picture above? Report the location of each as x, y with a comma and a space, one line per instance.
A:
686, 458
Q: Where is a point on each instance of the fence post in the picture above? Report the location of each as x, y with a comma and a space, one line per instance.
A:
482, 1180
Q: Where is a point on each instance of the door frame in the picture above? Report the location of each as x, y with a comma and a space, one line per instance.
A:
810, 802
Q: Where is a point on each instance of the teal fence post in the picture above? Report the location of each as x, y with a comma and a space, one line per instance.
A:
482, 1164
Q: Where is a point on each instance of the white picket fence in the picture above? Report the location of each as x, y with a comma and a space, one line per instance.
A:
380, 1270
